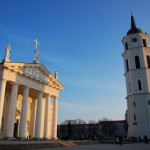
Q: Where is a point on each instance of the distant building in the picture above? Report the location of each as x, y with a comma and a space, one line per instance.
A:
25, 93
93, 131
136, 58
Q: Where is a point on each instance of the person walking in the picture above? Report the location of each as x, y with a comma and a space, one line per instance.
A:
120, 140
146, 140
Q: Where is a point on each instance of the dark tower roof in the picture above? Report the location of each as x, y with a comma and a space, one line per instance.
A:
133, 29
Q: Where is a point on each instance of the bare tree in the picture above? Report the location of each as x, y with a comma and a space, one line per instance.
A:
76, 121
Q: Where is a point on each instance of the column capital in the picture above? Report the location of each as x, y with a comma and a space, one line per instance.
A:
14, 83
26, 86
48, 96
55, 96
40, 92
3, 79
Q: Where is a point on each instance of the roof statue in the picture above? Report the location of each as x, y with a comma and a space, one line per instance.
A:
36, 56
56, 75
36, 53
7, 54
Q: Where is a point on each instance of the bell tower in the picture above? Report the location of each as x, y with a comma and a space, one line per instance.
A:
136, 58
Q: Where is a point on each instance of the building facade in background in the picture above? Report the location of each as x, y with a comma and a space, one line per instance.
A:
103, 130
136, 57
28, 99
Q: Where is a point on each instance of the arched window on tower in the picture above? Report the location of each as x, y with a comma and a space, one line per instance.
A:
148, 61
144, 43
126, 46
137, 62
134, 117
139, 85
127, 65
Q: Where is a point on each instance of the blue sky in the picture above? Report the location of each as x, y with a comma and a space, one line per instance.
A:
81, 39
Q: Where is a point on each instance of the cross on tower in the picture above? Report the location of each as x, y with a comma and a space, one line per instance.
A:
36, 43
131, 10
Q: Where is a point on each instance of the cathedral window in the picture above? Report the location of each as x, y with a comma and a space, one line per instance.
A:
137, 62
134, 117
144, 43
126, 45
134, 105
127, 65
148, 61
139, 85
148, 102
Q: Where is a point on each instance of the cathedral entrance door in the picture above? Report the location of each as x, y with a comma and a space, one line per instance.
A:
16, 128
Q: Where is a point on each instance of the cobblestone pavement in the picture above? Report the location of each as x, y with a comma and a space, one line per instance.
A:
137, 146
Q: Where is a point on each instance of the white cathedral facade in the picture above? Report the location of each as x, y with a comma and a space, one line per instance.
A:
28, 100
136, 57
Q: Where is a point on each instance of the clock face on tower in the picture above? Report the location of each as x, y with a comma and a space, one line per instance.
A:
134, 39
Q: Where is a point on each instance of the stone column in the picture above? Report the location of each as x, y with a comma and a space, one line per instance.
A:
32, 117
11, 112
22, 127
46, 121
2, 95
54, 118
38, 116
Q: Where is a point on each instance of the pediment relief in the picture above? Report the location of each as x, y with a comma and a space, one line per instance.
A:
35, 71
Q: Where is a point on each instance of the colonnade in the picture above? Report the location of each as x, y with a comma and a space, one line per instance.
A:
9, 128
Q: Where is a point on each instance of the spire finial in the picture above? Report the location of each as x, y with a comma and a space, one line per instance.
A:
131, 10
133, 28
133, 24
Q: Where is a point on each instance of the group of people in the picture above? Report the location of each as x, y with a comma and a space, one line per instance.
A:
145, 139
119, 140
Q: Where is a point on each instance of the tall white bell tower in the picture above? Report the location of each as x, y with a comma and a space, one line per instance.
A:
136, 57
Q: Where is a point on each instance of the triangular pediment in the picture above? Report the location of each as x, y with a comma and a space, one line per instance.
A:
35, 71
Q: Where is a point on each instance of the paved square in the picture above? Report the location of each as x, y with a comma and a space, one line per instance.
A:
137, 146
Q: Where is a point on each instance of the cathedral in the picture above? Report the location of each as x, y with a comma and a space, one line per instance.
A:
136, 58
28, 99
